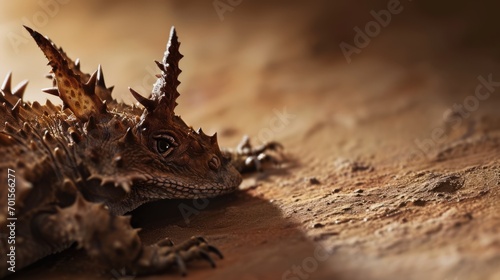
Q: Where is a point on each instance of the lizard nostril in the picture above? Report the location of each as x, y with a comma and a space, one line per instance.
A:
214, 163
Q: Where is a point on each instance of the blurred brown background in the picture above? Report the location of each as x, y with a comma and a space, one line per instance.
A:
246, 60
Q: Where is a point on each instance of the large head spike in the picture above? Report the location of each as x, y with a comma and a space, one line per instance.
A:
165, 87
164, 93
79, 97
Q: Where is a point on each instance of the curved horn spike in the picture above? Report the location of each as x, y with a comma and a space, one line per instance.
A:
111, 89
86, 103
160, 65
53, 91
20, 88
7, 83
149, 104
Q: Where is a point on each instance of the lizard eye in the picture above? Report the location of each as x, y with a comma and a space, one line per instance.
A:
164, 145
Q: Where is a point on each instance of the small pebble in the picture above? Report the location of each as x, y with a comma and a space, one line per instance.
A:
318, 225
419, 202
314, 181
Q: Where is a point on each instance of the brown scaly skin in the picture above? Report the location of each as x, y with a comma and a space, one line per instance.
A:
81, 166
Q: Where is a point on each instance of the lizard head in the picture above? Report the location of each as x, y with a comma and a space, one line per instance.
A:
188, 163
149, 152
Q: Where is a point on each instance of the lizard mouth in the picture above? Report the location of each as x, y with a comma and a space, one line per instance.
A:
157, 188
195, 187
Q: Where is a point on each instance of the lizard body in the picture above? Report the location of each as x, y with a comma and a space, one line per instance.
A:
76, 169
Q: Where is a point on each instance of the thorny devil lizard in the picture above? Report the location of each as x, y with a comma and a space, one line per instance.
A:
81, 166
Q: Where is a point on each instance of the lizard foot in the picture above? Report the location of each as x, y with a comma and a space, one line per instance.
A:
164, 255
247, 158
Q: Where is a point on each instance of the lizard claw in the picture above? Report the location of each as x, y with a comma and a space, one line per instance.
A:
247, 158
165, 243
165, 255
181, 265
214, 250
204, 254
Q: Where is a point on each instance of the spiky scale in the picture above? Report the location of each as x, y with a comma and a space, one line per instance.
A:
52, 91
36, 106
22, 133
9, 128
75, 136
26, 128
128, 137
160, 65
59, 154
6, 140
51, 106
149, 104
20, 89
6, 85
100, 77
47, 137
90, 85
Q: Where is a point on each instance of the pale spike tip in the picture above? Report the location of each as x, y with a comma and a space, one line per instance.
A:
7, 82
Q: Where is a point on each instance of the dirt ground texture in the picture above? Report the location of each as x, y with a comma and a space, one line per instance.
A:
392, 167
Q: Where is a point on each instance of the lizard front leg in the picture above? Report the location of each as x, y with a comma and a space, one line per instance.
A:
112, 239
246, 158
165, 254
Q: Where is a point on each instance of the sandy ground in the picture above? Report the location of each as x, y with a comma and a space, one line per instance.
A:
392, 167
